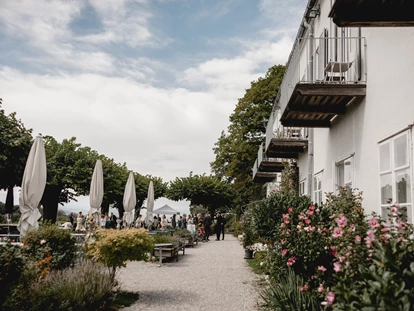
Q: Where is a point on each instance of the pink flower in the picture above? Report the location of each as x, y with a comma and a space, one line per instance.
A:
368, 241
337, 266
374, 223
401, 225
276, 190
290, 210
303, 288
321, 268
310, 213
341, 220
42, 242
299, 228
330, 297
385, 228
286, 221
337, 232
311, 228
307, 221
357, 239
282, 225
287, 231
284, 252
397, 205
320, 288
285, 216
371, 234
341, 258
352, 228
291, 261
312, 208
282, 241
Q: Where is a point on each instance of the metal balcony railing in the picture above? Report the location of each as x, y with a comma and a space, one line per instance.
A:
323, 60
261, 156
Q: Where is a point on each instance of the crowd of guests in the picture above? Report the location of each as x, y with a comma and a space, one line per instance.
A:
197, 223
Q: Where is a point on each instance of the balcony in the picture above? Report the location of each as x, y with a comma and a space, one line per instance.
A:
266, 164
285, 143
262, 177
322, 77
373, 13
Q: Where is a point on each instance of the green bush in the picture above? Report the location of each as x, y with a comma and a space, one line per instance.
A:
12, 265
51, 247
289, 294
161, 238
84, 287
114, 248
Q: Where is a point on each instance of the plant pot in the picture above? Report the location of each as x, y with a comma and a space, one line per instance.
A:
248, 254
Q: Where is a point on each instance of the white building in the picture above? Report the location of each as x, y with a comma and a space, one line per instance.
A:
345, 109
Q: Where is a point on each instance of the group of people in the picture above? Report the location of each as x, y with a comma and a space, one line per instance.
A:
200, 223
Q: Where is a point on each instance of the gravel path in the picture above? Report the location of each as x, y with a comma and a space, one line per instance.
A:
210, 276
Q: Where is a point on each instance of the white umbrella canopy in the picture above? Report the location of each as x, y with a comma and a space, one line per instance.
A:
150, 204
96, 192
33, 186
130, 200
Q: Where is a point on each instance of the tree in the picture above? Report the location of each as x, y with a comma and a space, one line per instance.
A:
69, 173
208, 191
236, 151
15, 143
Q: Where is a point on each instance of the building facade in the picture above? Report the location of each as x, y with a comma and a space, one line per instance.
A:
345, 109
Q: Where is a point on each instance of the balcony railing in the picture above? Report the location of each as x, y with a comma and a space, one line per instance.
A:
276, 130
328, 67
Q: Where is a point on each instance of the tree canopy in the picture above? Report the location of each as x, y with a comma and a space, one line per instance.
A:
208, 191
236, 150
15, 143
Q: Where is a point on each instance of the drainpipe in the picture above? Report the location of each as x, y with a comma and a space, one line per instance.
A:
310, 130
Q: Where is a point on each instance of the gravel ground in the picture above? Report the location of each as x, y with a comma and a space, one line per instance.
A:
210, 276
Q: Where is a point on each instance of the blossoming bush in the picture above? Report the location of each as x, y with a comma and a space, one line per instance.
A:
290, 178
50, 247
385, 274
114, 247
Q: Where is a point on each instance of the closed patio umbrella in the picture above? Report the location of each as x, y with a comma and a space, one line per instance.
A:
96, 192
33, 185
130, 200
150, 204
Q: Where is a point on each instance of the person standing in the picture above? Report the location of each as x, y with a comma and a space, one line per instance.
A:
207, 225
112, 219
220, 226
174, 221
184, 221
79, 223
71, 218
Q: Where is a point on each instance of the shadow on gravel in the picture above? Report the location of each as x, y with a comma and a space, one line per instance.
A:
165, 297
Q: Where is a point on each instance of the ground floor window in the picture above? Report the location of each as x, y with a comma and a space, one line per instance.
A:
317, 188
395, 173
302, 187
345, 172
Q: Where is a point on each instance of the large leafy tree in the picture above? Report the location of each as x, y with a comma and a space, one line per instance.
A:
15, 143
69, 173
237, 149
208, 191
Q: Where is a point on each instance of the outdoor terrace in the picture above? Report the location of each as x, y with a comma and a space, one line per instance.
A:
373, 13
262, 177
322, 77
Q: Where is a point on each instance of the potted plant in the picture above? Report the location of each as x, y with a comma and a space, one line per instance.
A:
249, 237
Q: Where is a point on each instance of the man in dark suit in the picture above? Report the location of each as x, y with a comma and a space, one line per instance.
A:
207, 225
220, 226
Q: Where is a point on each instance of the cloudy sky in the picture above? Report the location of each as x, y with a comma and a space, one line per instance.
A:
148, 82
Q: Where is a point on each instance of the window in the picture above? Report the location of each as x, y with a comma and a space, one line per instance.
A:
345, 172
395, 177
302, 187
317, 188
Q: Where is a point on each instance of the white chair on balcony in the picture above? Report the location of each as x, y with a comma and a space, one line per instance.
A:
335, 71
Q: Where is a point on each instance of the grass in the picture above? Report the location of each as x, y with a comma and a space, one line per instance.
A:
255, 263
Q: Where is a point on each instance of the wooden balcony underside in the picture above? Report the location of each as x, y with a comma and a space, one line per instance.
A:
373, 13
262, 178
314, 105
286, 148
271, 166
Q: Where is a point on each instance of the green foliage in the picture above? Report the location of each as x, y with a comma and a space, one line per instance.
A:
288, 294
290, 178
161, 238
267, 214
15, 143
114, 248
249, 236
257, 262
50, 247
207, 191
236, 151
84, 287
12, 265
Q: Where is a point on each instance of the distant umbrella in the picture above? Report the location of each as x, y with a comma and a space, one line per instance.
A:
33, 186
96, 192
150, 204
130, 200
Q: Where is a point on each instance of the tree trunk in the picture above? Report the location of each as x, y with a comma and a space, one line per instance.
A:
50, 202
9, 200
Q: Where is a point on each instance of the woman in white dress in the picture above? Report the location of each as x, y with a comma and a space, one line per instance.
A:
164, 222
190, 224
79, 222
138, 222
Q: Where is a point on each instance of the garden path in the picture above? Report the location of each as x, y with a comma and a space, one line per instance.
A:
210, 276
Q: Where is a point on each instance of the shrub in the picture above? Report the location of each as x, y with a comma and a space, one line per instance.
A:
289, 294
12, 265
249, 236
161, 238
114, 247
51, 247
290, 178
83, 287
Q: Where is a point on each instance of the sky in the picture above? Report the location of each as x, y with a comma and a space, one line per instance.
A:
148, 82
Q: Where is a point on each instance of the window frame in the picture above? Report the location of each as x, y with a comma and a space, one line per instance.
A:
393, 171
317, 193
337, 167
